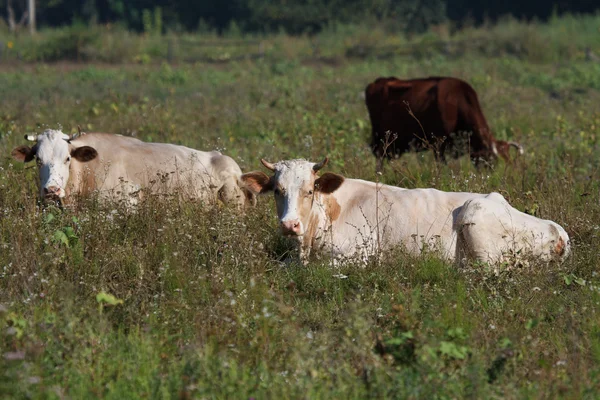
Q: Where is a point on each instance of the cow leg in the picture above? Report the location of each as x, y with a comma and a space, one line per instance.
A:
480, 159
304, 254
231, 194
440, 153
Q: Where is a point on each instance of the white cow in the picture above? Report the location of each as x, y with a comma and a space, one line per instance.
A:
352, 217
123, 168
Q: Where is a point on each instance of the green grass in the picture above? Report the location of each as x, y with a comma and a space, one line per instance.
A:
561, 39
210, 311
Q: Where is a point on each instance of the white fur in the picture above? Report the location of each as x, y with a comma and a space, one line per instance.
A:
54, 160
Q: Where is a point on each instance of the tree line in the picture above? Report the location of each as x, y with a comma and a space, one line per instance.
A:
291, 16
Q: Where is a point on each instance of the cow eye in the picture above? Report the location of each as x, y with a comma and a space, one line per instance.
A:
310, 192
67, 160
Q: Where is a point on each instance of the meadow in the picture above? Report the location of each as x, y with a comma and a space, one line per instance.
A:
180, 301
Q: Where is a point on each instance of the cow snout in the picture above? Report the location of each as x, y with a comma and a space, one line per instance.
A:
562, 248
52, 191
291, 227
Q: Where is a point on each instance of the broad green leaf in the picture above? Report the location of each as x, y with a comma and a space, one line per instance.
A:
580, 281
61, 237
452, 350
107, 298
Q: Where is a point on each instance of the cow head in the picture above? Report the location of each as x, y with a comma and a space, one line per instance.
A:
53, 151
237, 195
503, 149
295, 184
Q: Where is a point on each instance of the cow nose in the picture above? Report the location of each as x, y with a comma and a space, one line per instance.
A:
52, 191
291, 227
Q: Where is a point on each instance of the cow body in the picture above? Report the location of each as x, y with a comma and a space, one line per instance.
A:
124, 168
355, 218
374, 217
447, 118
492, 231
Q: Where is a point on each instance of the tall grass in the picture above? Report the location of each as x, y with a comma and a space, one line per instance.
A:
561, 39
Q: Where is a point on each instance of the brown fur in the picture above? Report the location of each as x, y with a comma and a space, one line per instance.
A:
560, 247
23, 153
87, 181
329, 182
84, 153
82, 180
332, 208
443, 106
311, 230
257, 181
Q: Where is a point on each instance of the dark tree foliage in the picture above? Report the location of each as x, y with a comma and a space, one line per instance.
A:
293, 16
458, 10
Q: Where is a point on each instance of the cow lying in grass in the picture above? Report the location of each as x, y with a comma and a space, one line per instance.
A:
124, 168
356, 218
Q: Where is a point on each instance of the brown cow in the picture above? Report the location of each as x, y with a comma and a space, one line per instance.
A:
447, 116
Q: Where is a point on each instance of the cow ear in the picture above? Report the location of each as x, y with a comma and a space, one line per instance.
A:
257, 182
23, 153
84, 153
329, 182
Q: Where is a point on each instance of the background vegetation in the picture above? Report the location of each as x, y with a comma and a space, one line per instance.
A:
292, 16
179, 301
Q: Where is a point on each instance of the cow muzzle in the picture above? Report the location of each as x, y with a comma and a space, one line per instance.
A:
562, 248
53, 193
291, 228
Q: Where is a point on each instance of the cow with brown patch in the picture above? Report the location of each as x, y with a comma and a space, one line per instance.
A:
447, 117
356, 218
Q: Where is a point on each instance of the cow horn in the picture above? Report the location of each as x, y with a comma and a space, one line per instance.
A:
267, 164
31, 138
517, 146
320, 165
79, 132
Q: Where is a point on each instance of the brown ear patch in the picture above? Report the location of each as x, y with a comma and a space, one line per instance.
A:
257, 182
84, 153
329, 182
23, 153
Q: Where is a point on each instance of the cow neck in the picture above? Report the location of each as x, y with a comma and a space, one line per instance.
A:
323, 212
82, 178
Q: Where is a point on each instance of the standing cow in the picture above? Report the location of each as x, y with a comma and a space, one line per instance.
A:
122, 168
447, 117
352, 217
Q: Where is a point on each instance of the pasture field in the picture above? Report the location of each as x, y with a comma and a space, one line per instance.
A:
177, 301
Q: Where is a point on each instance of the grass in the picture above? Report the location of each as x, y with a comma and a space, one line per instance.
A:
561, 39
209, 311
